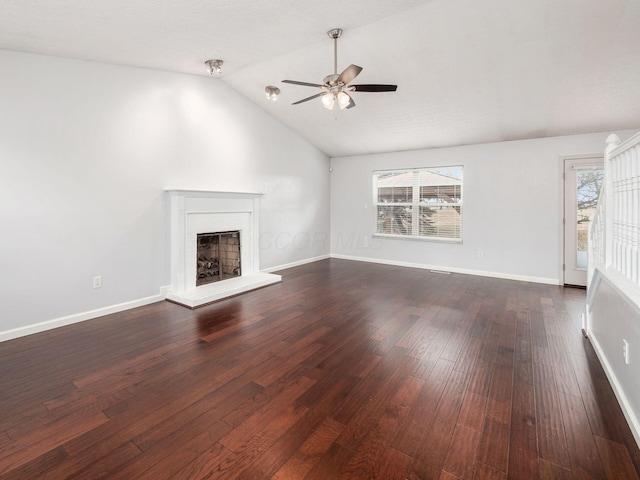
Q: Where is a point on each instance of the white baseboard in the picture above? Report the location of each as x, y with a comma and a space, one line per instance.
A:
294, 264
81, 317
442, 268
629, 414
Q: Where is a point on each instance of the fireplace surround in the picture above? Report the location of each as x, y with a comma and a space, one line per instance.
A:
195, 213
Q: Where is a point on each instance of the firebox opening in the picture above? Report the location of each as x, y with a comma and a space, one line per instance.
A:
218, 257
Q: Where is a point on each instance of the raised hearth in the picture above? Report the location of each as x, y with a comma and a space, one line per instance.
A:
194, 213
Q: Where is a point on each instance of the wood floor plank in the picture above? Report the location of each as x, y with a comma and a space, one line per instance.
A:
386, 374
461, 457
550, 471
485, 472
480, 381
522, 465
247, 454
500, 394
109, 462
35, 417
310, 451
29, 447
149, 411
254, 423
365, 461
204, 412
523, 356
550, 426
473, 411
344, 370
435, 443
600, 418
615, 459
38, 467
204, 465
426, 471
585, 461
124, 367
523, 443
330, 464
370, 439
408, 438
284, 447
393, 465
162, 464
494, 445
444, 475
4, 439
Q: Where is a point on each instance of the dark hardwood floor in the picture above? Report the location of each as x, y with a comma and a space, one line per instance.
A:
345, 370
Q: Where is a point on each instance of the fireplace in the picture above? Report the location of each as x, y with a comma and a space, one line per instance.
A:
218, 256
214, 246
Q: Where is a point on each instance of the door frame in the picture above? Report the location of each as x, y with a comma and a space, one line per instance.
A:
561, 207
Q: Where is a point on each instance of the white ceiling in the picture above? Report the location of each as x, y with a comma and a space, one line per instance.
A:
468, 71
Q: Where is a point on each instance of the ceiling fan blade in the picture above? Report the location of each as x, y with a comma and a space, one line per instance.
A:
306, 84
372, 87
349, 73
308, 98
351, 103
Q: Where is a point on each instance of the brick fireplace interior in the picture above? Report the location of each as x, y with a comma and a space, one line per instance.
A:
218, 257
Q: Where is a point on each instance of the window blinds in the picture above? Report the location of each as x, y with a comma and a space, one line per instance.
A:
419, 202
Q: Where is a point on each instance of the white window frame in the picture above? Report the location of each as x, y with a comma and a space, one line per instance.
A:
415, 204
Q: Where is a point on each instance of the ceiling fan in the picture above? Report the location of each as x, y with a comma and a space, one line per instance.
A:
336, 88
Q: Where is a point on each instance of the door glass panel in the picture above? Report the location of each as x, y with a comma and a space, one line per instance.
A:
589, 183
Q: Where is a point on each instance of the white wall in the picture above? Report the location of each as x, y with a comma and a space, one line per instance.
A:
512, 207
86, 151
614, 317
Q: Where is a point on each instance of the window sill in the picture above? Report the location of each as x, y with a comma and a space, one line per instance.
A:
457, 241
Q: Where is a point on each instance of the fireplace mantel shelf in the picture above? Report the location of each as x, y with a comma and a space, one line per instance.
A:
213, 193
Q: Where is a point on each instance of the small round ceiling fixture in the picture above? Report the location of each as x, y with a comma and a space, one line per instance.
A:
272, 92
214, 66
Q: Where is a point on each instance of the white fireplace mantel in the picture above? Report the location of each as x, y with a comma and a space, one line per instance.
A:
198, 211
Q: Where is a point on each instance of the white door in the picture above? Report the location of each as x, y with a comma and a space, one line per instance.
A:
583, 178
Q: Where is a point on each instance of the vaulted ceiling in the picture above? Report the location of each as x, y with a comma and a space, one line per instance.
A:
468, 71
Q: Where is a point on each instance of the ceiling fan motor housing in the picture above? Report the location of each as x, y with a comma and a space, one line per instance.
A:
331, 79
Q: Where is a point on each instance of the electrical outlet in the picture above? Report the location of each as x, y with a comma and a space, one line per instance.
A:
97, 281
625, 351
480, 254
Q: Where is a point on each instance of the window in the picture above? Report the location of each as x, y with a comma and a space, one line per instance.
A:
419, 203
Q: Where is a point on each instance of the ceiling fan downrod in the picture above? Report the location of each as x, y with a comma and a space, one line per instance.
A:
336, 33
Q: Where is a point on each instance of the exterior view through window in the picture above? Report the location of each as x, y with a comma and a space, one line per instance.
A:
421, 203
589, 184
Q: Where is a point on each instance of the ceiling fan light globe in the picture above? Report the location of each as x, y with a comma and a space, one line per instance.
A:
343, 100
328, 101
